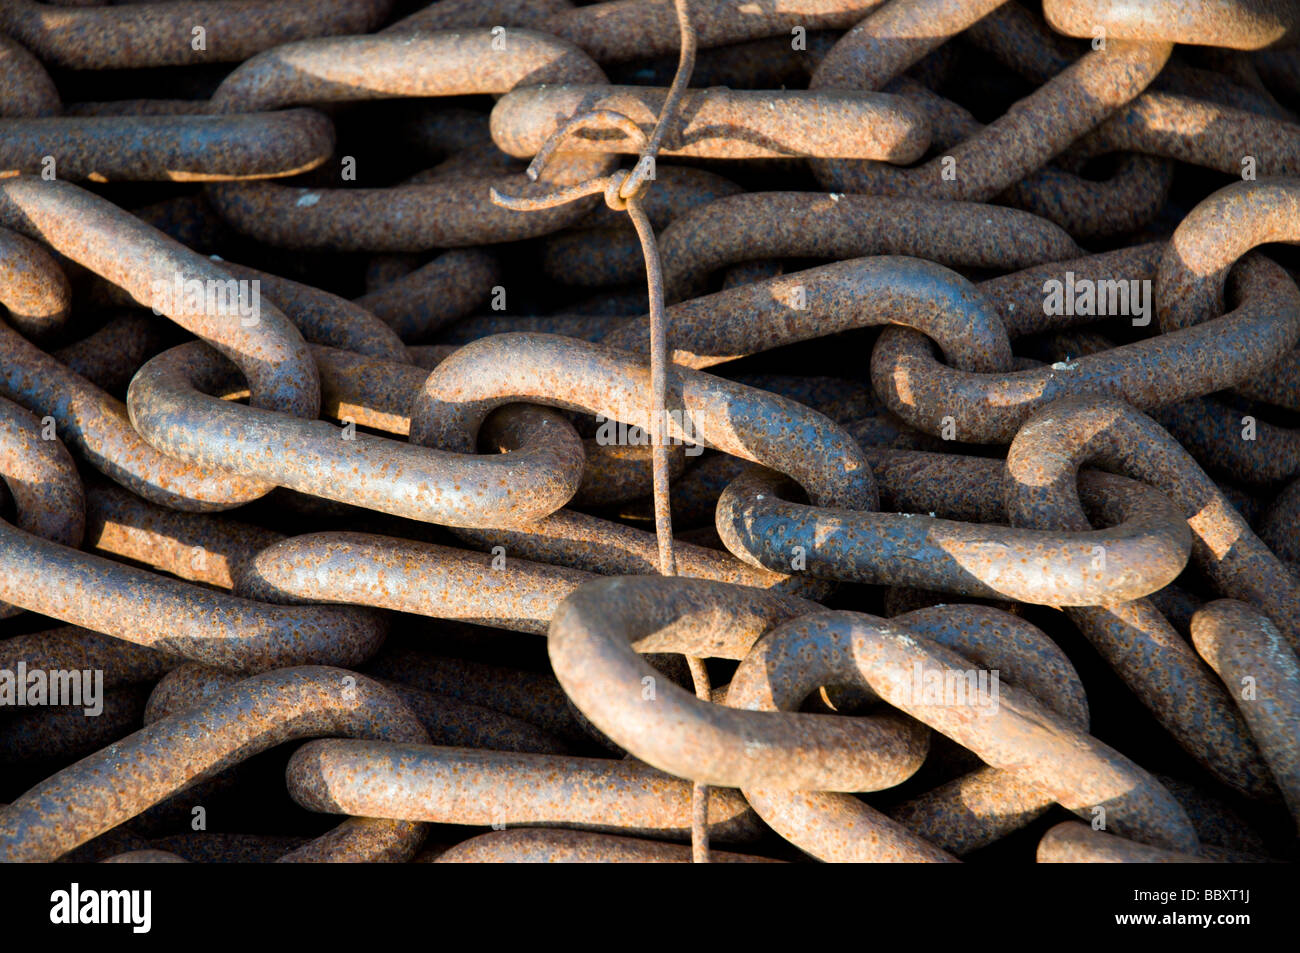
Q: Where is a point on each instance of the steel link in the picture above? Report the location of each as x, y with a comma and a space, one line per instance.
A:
329, 383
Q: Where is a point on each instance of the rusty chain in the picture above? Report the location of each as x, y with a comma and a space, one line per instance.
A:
328, 384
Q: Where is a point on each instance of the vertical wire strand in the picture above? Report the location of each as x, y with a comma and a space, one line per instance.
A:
662, 502
658, 388
623, 190
631, 187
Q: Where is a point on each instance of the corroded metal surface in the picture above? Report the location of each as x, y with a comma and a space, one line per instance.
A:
158, 34
29, 91
1024, 138
1237, 24
1071, 843
560, 372
170, 407
628, 29
541, 846
478, 788
1146, 549
617, 395
169, 148
34, 290
909, 292
963, 814
815, 225
1151, 372
725, 124
884, 44
95, 233
1213, 236
1078, 771
65, 810
1050, 447
1263, 677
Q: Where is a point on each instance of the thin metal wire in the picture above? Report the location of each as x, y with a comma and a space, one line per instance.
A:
662, 505
602, 119
623, 191
536, 203
658, 387
669, 114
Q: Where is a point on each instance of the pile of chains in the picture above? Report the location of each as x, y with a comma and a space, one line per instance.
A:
649, 430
